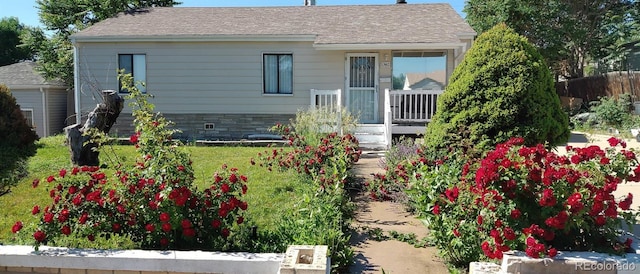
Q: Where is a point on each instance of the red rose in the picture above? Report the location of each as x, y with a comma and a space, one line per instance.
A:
83, 218
39, 236
186, 223
244, 189
150, 227
216, 223
35, 183
91, 237
166, 227
626, 203
479, 219
134, 138
189, 232
62, 172
233, 178
35, 210
164, 217
225, 232
50, 179
552, 252
16, 227
48, 217
436, 209
116, 227
66, 230
224, 188
164, 242
240, 220
613, 141
243, 205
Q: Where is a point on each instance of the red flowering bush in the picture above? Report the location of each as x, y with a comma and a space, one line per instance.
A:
153, 203
534, 200
326, 164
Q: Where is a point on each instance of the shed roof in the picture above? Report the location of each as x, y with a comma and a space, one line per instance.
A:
24, 75
341, 24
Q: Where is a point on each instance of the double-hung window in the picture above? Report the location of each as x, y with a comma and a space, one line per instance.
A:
28, 115
277, 73
136, 65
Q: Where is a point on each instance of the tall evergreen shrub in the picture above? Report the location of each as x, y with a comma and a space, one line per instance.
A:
502, 88
16, 141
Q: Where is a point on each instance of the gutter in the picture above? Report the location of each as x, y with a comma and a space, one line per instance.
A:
76, 82
45, 123
389, 46
198, 38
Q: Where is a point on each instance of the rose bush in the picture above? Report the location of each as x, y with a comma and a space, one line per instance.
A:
529, 199
325, 165
153, 202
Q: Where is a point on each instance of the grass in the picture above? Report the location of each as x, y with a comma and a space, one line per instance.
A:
269, 193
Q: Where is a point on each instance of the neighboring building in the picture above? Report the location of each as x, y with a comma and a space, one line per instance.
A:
43, 102
435, 80
222, 73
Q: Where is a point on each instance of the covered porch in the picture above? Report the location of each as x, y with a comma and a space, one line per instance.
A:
406, 112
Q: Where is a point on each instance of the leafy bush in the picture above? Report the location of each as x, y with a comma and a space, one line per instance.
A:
16, 141
530, 199
501, 89
324, 212
313, 124
152, 204
613, 113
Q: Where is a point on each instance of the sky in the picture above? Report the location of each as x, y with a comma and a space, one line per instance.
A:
27, 14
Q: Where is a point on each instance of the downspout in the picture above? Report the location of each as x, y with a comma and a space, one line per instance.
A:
45, 123
76, 83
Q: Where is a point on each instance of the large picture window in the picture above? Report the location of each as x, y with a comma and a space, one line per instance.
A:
277, 73
419, 70
136, 65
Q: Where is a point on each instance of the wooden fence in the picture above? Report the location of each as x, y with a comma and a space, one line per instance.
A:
610, 84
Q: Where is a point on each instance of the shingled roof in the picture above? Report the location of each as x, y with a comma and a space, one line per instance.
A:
343, 24
24, 75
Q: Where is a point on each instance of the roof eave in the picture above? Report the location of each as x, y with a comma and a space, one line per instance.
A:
389, 46
197, 38
14, 87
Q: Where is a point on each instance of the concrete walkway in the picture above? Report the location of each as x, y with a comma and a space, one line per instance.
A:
390, 255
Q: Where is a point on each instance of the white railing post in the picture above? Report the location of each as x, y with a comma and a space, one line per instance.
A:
387, 118
331, 101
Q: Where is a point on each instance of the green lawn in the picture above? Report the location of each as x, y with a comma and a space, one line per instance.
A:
269, 192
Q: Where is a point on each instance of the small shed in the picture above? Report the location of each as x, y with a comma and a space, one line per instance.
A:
44, 103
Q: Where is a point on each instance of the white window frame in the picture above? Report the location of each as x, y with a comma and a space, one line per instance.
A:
139, 70
264, 91
32, 124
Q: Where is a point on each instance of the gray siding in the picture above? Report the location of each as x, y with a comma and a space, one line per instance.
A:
221, 77
32, 99
56, 110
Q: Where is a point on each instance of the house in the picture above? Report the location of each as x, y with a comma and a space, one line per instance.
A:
224, 72
43, 103
434, 80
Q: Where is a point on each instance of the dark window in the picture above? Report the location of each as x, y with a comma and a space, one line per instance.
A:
135, 64
278, 73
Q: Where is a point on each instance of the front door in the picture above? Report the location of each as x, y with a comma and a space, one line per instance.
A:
362, 86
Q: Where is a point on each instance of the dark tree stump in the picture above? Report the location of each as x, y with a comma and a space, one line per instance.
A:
102, 118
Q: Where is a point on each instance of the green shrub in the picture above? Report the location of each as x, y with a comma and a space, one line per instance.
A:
16, 141
612, 112
501, 89
314, 124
